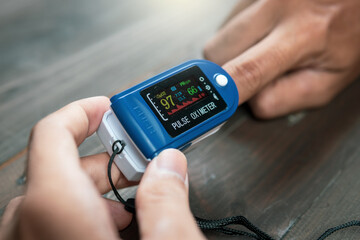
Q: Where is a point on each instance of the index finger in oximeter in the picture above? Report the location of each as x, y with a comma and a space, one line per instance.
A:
174, 109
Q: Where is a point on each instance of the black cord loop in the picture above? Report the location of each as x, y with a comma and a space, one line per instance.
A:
219, 225
129, 203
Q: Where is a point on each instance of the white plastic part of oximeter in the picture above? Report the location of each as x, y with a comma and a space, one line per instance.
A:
130, 161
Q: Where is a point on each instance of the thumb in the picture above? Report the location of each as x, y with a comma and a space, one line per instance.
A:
162, 204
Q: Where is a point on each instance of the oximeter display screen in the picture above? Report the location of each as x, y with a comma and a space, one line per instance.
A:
180, 95
183, 100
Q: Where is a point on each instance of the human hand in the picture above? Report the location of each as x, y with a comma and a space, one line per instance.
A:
288, 55
63, 196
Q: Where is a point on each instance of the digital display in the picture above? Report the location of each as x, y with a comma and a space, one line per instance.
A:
183, 100
180, 95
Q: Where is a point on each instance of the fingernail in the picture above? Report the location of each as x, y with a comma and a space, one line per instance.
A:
173, 161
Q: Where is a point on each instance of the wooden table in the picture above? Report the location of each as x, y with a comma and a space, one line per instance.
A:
294, 177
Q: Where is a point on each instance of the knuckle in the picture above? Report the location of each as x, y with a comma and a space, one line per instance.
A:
35, 129
208, 51
81, 113
319, 41
316, 32
39, 127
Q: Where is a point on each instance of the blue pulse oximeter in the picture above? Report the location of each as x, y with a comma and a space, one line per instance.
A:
174, 109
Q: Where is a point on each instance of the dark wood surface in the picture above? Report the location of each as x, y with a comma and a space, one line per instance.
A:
294, 176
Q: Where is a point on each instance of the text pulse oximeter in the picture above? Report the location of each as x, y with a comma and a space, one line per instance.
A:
174, 109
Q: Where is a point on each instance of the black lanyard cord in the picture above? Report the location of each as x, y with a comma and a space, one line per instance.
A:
219, 225
339, 227
129, 203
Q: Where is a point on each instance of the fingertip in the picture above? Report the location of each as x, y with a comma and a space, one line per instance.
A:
94, 107
172, 160
104, 101
264, 105
170, 163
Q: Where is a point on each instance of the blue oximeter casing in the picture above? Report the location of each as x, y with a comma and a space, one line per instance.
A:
174, 109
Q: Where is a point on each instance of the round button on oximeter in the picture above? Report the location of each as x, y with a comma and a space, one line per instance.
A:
174, 109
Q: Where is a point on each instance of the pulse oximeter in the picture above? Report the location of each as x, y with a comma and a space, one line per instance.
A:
174, 109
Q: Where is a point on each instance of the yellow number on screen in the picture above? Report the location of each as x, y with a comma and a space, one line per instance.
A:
169, 98
165, 103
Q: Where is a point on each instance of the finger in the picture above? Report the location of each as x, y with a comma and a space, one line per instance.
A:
243, 31
267, 60
239, 7
296, 91
10, 211
121, 217
96, 167
53, 146
81, 118
162, 199
57, 184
